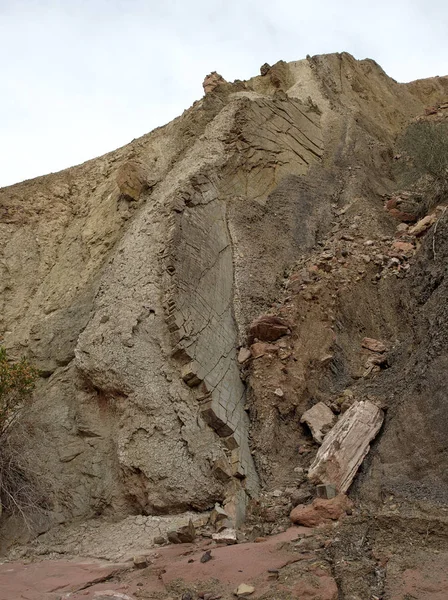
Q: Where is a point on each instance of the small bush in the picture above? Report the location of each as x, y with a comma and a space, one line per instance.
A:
16, 384
17, 488
425, 165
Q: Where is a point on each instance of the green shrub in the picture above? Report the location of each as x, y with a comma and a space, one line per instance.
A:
18, 485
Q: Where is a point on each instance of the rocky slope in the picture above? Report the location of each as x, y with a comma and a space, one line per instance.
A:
131, 282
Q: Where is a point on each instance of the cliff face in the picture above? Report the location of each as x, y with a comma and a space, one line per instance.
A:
131, 280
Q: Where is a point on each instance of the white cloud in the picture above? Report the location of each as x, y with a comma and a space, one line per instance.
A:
81, 78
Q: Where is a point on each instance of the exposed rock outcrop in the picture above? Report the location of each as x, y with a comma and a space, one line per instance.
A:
132, 280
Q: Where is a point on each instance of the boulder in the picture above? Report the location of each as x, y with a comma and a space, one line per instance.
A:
321, 511
131, 180
211, 81
268, 328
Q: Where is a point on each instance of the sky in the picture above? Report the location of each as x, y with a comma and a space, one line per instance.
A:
79, 78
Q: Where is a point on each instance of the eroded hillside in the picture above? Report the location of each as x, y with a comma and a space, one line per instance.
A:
131, 281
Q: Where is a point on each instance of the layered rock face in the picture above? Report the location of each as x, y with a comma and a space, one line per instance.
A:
131, 280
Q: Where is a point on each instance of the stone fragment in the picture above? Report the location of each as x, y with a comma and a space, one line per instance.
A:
321, 511
423, 225
279, 392
319, 419
222, 469
244, 590
326, 490
261, 348
226, 536
189, 375
140, 562
230, 443
208, 413
346, 445
218, 517
268, 328
159, 540
237, 467
183, 535
206, 556
373, 345
300, 496
243, 355
264, 69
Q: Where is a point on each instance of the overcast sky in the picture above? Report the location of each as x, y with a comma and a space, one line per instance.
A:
81, 77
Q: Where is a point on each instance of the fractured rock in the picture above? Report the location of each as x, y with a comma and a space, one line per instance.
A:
321, 511
423, 225
268, 328
346, 445
319, 419
218, 516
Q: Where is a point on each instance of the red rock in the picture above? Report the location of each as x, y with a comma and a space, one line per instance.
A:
261, 348
403, 248
373, 345
321, 511
211, 81
393, 208
402, 216
268, 328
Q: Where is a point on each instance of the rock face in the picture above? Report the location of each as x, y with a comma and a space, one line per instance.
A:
131, 280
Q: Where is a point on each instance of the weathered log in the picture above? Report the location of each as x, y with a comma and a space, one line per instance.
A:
346, 445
